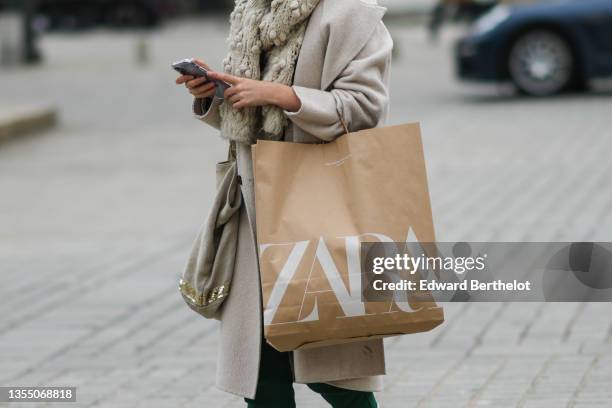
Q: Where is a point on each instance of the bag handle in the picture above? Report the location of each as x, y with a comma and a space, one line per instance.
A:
342, 121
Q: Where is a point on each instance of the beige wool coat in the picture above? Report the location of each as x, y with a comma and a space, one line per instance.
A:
343, 66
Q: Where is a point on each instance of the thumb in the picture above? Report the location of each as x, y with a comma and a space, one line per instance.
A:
221, 76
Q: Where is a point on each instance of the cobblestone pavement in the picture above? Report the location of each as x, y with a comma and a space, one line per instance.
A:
96, 219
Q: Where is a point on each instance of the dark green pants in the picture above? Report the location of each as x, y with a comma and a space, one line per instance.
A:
275, 386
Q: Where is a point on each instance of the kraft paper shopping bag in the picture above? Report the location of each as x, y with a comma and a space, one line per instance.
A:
315, 204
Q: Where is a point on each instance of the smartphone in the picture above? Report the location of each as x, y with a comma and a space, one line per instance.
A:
189, 67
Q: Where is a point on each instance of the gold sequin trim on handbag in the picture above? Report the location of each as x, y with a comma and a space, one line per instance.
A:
203, 299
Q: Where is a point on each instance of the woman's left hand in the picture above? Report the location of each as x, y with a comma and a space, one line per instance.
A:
245, 92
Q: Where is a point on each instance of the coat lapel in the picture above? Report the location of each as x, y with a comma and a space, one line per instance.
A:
350, 25
337, 31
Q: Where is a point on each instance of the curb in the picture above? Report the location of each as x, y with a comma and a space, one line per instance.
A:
20, 121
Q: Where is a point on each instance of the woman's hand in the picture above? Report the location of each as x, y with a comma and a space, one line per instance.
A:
246, 92
198, 87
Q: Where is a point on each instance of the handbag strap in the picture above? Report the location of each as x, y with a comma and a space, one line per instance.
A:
231, 151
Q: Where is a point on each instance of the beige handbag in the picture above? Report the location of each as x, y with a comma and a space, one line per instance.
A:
208, 274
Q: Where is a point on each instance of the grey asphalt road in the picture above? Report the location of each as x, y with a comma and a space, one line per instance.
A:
97, 217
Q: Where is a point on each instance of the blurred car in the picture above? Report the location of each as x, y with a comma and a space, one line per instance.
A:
73, 14
468, 10
543, 48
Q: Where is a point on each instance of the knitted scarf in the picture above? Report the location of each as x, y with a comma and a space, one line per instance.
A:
265, 40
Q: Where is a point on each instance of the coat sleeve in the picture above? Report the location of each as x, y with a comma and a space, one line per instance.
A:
360, 93
207, 110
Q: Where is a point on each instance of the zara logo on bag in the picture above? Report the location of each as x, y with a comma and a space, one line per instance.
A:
309, 269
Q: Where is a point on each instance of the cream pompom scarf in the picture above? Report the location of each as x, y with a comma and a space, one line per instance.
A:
265, 40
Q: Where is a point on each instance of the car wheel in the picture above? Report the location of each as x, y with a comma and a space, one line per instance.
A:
541, 63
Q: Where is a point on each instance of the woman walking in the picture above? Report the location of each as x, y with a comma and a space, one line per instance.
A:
298, 69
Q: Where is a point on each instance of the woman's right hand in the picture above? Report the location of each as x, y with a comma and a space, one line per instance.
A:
198, 87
